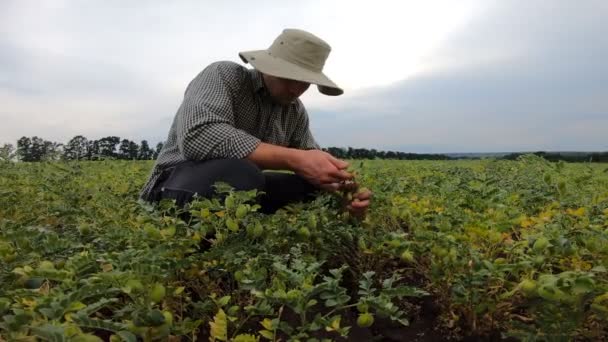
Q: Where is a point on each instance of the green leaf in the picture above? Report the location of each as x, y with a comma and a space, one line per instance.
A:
330, 303
86, 322
223, 301
232, 224
92, 308
583, 285
405, 291
127, 336
51, 333
311, 303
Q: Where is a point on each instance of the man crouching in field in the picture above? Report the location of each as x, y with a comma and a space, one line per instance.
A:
235, 122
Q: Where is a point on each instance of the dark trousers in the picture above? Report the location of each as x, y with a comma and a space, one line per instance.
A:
183, 181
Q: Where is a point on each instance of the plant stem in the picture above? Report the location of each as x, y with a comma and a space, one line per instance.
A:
336, 309
240, 325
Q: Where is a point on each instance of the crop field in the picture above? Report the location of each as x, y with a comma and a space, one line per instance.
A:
450, 250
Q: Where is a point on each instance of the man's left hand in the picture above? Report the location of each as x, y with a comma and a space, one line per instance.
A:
361, 201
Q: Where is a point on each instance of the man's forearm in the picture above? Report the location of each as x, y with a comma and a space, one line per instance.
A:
268, 156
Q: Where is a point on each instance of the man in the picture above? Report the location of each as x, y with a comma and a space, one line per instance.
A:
235, 122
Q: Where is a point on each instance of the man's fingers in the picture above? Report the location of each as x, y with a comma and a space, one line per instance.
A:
364, 195
357, 212
359, 204
340, 175
329, 179
340, 164
330, 187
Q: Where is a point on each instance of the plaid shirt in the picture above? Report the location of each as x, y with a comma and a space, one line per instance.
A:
226, 113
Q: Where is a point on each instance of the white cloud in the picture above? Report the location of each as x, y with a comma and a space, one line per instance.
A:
440, 75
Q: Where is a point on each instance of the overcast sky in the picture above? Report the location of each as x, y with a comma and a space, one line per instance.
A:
419, 76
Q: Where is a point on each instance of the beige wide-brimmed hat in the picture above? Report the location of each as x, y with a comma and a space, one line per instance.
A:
296, 55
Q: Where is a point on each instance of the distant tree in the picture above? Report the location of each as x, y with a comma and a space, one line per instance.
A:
24, 149
133, 150
52, 150
76, 148
339, 153
123, 150
159, 147
107, 146
37, 149
373, 153
7, 153
93, 150
145, 153
128, 150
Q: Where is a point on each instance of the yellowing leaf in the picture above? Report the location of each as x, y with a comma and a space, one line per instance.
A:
546, 215
334, 325
245, 338
75, 306
267, 334
168, 232
107, 267
578, 212
20, 271
220, 213
267, 324
219, 327
30, 303
196, 237
526, 222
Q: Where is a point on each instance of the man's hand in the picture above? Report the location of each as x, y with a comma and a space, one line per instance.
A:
357, 201
319, 168
361, 200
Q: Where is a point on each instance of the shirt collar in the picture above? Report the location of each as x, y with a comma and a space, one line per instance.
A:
258, 82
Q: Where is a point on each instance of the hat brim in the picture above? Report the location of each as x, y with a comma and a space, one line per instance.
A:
271, 65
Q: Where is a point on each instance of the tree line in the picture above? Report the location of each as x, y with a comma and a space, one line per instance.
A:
363, 153
32, 149
573, 157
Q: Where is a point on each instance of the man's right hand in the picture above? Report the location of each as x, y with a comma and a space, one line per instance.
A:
319, 168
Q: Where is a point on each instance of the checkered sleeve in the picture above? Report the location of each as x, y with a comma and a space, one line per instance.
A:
205, 120
302, 137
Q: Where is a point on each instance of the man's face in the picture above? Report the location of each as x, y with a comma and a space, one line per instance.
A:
284, 91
